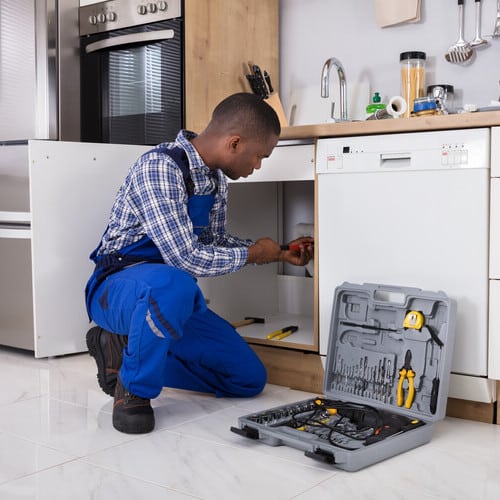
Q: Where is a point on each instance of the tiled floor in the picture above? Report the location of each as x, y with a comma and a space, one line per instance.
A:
57, 442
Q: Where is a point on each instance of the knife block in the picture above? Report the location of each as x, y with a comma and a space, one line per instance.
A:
275, 102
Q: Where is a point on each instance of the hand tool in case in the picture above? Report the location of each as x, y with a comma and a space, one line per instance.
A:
386, 379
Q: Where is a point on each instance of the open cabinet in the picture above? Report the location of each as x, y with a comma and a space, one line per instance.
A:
277, 201
277, 293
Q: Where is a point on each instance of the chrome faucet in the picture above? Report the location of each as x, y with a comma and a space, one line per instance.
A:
325, 84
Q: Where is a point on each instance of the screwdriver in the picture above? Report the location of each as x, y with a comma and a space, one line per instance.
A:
294, 247
282, 332
435, 390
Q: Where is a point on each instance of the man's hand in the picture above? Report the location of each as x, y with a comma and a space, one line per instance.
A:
299, 252
263, 251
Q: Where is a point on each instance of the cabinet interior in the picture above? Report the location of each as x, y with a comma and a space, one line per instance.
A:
280, 293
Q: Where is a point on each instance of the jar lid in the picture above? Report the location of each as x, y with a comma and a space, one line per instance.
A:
448, 88
423, 104
411, 55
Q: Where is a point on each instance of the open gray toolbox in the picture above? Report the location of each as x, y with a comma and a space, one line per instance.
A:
386, 379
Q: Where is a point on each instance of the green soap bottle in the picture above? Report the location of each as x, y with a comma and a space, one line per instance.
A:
375, 104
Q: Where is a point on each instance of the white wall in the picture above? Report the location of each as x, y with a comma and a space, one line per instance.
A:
313, 30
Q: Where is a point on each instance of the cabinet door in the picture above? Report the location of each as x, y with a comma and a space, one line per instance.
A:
221, 37
495, 152
72, 188
494, 228
494, 331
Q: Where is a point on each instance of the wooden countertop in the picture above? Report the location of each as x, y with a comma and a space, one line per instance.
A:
393, 126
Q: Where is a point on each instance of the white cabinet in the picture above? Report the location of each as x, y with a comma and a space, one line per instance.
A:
494, 274
289, 161
71, 189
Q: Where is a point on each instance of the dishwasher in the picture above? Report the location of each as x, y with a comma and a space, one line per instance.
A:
409, 210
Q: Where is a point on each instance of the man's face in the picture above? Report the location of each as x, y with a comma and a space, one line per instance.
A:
246, 155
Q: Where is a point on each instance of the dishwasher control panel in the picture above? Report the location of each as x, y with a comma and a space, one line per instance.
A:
467, 148
454, 154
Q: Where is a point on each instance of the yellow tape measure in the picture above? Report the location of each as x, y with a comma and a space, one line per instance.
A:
414, 319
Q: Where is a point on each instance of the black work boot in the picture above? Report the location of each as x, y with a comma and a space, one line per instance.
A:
131, 414
107, 350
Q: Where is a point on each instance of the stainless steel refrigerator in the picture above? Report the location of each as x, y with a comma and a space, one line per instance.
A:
39, 99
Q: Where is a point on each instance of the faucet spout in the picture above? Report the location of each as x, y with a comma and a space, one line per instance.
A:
325, 84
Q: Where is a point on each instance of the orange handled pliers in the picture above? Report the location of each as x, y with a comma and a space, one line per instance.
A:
406, 373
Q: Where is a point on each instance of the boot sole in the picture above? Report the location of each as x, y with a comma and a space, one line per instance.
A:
139, 426
105, 377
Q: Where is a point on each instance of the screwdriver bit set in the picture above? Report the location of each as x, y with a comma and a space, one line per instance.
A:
386, 379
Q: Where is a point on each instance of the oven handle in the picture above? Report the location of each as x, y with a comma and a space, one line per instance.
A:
134, 38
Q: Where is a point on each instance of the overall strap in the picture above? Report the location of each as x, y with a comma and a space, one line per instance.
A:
180, 157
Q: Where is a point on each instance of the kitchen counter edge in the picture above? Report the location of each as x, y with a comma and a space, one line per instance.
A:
393, 126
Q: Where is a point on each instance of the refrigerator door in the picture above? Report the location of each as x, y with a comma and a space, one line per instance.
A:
18, 69
39, 70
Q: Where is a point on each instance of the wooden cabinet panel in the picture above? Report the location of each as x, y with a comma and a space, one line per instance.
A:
221, 36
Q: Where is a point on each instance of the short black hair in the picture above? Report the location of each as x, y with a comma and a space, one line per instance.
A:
247, 114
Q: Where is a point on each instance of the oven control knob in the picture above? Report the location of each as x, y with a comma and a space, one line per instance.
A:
111, 17
93, 19
163, 5
152, 7
141, 10
101, 18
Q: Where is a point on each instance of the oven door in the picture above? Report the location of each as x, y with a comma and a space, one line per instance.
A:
132, 84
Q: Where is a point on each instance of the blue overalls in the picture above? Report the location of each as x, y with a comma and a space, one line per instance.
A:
174, 340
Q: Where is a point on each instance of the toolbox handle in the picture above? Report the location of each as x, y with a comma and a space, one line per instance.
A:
392, 294
389, 295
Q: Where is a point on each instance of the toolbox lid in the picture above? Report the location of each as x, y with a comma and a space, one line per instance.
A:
391, 347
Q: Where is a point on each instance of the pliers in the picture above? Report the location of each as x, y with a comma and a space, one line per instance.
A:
406, 372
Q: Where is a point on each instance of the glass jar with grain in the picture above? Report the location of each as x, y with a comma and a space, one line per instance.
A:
412, 77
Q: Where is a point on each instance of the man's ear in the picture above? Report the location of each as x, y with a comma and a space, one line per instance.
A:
234, 143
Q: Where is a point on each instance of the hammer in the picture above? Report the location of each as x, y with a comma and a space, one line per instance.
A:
248, 321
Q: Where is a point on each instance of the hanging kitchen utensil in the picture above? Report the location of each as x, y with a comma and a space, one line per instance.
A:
496, 32
461, 52
478, 41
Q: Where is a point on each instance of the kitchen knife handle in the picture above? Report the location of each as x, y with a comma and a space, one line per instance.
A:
260, 82
267, 77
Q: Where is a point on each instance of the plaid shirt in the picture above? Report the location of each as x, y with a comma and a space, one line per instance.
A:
153, 202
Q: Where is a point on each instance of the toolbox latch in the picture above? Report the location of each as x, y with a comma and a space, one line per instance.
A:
321, 455
246, 431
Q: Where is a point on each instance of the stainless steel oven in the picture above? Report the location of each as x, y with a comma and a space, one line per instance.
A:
132, 89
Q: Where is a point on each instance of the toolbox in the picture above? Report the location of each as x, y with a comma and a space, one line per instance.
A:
386, 379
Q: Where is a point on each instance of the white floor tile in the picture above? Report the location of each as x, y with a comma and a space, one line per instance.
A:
23, 377
207, 469
19, 457
63, 426
422, 473
79, 481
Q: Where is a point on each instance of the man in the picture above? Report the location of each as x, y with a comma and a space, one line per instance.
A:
167, 227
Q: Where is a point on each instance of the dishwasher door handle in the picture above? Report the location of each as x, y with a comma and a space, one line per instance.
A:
395, 160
